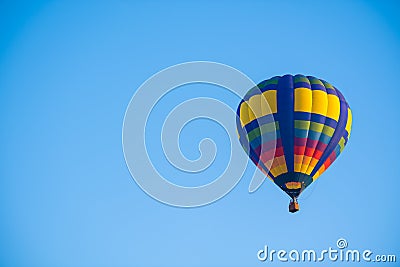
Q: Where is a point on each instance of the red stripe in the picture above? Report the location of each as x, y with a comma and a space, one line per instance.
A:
330, 160
327, 163
271, 154
299, 150
267, 146
317, 154
279, 152
309, 152
267, 155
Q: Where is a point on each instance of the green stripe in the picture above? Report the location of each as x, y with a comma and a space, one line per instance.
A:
301, 79
314, 126
316, 81
267, 82
328, 85
328, 130
268, 127
300, 124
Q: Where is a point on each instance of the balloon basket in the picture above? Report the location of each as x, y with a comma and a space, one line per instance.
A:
294, 206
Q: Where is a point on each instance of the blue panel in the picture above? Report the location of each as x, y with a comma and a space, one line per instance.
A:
285, 104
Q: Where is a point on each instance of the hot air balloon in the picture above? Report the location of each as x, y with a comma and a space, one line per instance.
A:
293, 128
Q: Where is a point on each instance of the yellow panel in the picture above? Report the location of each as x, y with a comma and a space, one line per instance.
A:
316, 175
270, 97
279, 169
278, 162
311, 165
306, 162
263, 104
276, 171
255, 105
319, 172
298, 159
302, 99
279, 166
321, 169
281, 163
319, 102
246, 115
349, 121
333, 107
297, 167
341, 144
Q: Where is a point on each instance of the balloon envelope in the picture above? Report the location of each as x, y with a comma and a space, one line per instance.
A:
293, 128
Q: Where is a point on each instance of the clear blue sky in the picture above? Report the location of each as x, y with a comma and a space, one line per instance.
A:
68, 71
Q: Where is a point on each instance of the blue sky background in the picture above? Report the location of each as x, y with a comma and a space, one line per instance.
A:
68, 71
